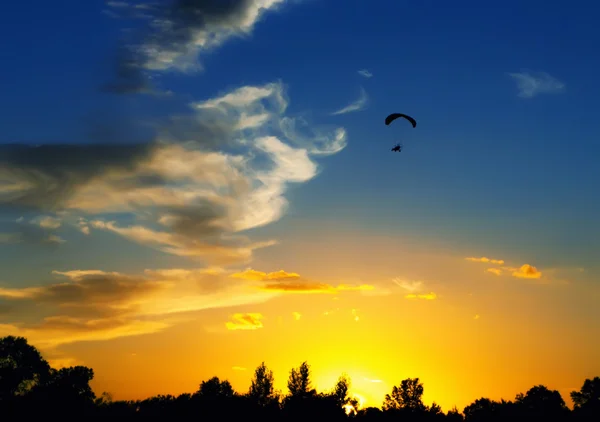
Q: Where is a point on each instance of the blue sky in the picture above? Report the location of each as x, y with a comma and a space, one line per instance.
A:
262, 169
493, 167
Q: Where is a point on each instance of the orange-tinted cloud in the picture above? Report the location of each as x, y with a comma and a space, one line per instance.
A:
253, 275
527, 271
248, 321
426, 296
409, 285
312, 287
297, 315
486, 260
286, 282
94, 305
238, 368
497, 271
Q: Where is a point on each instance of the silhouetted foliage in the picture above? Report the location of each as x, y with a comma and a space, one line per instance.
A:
31, 390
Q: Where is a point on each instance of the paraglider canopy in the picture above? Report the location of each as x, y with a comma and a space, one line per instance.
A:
389, 119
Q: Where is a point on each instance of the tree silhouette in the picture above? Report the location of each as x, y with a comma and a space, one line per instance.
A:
31, 390
299, 382
406, 397
586, 401
21, 367
262, 391
539, 402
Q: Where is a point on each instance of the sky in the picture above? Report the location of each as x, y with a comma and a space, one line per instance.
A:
187, 192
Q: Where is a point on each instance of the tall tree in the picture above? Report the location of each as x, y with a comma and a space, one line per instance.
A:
299, 382
21, 367
262, 390
587, 399
409, 396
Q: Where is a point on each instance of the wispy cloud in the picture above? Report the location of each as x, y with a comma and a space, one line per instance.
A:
238, 368
356, 105
187, 198
177, 33
425, 296
297, 315
409, 285
486, 260
496, 271
94, 305
248, 321
531, 84
365, 73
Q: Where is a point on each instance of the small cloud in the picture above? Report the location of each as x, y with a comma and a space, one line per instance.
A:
355, 315
476, 316
55, 239
47, 222
357, 105
486, 260
531, 84
10, 238
365, 73
253, 275
373, 381
409, 285
527, 271
238, 368
312, 287
351, 288
496, 271
426, 296
248, 321
296, 315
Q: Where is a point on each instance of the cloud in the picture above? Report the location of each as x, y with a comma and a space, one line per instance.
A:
47, 222
39, 230
486, 260
178, 32
409, 285
238, 368
426, 296
286, 282
357, 105
526, 271
210, 175
306, 286
296, 315
497, 271
94, 305
355, 315
249, 321
365, 73
531, 84
476, 316
250, 274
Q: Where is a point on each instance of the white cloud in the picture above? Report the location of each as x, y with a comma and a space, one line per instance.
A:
365, 73
180, 34
531, 84
408, 285
191, 198
357, 105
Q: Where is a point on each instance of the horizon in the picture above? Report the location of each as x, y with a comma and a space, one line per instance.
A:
188, 189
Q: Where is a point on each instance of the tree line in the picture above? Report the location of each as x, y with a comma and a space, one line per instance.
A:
31, 389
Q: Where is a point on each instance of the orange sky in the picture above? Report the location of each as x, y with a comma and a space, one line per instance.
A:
464, 331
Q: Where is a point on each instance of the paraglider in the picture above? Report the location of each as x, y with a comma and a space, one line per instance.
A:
389, 119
